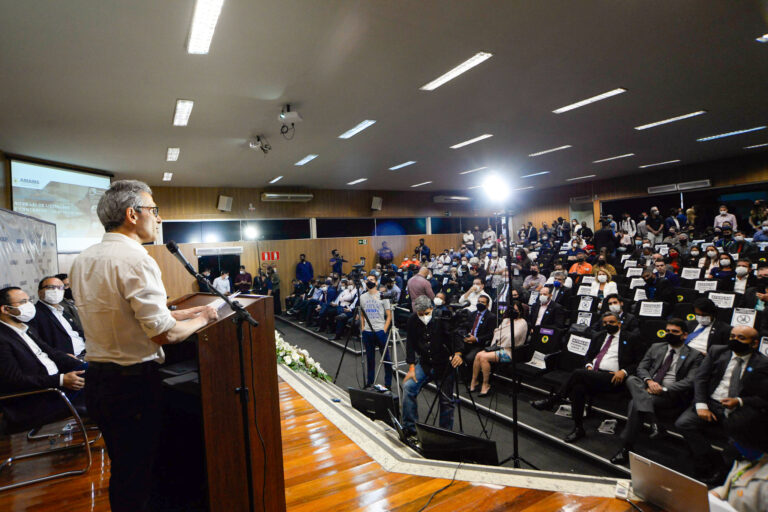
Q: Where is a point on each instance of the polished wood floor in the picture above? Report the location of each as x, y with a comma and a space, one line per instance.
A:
324, 470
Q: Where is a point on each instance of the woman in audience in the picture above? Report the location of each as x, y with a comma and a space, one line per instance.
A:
601, 263
692, 260
709, 260
502, 342
603, 285
725, 270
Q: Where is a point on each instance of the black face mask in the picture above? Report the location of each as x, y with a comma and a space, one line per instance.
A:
611, 329
674, 339
481, 307
370, 284
739, 348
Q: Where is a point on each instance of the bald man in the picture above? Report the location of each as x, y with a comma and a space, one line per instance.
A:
419, 285
730, 377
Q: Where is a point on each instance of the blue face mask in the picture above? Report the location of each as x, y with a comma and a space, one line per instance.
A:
557, 284
748, 453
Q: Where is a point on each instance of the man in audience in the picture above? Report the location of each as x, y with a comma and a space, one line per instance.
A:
304, 270
385, 254
744, 278
489, 236
64, 278
663, 381
243, 281
54, 324
629, 322
671, 223
740, 246
628, 225
613, 355
730, 377
221, 283
481, 326
706, 330
345, 301
297, 301
337, 262
581, 266
655, 226
532, 234
585, 232
469, 239
546, 312
657, 288
534, 281
725, 218
422, 250
761, 235
419, 286
204, 281
604, 238
661, 270
323, 295
477, 290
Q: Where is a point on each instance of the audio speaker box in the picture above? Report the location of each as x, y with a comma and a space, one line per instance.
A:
225, 203
376, 203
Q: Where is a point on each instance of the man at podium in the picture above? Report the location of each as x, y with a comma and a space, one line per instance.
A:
122, 303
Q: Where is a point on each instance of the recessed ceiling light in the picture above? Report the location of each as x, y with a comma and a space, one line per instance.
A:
461, 68
659, 163
670, 120
471, 141
521, 188
550, 150
306, 159
730, 134
357, 181
613, 158
535, 174
357, 129
757, 146
581, 177
589, 100
762, 39
167, 176
203, 24
172, 155
182, 113
404, 164
276, 179
473, 170
420, 184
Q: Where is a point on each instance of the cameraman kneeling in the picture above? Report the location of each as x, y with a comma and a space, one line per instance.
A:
439, 352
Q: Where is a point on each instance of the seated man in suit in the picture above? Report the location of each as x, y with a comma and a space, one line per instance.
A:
561, 286
657, 288
663, 381
613, 356
53, 322
546, 312
481, 326
629, 322
27, 363
706, 330
730, 377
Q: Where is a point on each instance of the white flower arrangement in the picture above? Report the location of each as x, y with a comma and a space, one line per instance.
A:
298, 359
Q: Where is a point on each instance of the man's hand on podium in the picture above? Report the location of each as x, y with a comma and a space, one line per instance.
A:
208, 312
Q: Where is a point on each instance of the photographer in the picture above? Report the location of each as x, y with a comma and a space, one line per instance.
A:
438, 352
374, 329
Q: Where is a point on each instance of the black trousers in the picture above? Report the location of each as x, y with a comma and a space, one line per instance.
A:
694, 431
583, 382
126, 404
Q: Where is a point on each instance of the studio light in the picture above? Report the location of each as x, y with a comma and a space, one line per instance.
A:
496, 188
251, 233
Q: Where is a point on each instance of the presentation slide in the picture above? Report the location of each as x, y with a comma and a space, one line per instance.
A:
66, 198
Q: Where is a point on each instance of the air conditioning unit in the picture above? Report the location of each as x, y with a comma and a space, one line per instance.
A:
376, 203
225, 204
690, 185
217, 251
661, 189
272, 197
450, 199
581, 199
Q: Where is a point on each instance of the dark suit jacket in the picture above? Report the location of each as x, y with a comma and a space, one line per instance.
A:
629, 322
687, 363
563, 295
718, 334
50, 330
631, 349
485, 329
754, 381
664, 291
554, 316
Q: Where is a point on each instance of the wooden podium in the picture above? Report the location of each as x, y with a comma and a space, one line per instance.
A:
218, 360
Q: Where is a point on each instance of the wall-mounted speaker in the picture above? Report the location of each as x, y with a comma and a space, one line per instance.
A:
376, 203
225, 204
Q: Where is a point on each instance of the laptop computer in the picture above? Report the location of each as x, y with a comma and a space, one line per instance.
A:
401, 433
665, 488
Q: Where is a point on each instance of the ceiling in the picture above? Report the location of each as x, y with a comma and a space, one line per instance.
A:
94, 83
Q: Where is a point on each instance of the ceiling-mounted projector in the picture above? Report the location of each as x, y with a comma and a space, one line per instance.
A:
288, 116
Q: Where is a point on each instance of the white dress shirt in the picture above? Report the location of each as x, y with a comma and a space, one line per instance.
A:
221, 284
542, 310
78, 343
610, 361
740, 284
721, 391
122, 301
46, 361
472, 301
700, 342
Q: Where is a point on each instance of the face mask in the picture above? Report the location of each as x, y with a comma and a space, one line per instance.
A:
694, 253
711, 254
703, 320
646, 245
207, 274
350, 288
557, 284
543, 299
53, 296
426, 318
612, 329
741, 271
494, 254
615, 308
481, 307
748, 453
723, 213
324, 287
673, 339
765, 229
26, 312
602, 278
438, 301
739, 348
638, 243
725, 263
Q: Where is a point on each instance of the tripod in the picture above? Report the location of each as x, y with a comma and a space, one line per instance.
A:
455, 395
360, 312
393, 339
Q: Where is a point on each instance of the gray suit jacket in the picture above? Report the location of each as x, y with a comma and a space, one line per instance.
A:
687, 363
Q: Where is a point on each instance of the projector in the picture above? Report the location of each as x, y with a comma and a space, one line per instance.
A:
289, 117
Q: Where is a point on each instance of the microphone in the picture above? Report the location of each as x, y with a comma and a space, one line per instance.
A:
174, 249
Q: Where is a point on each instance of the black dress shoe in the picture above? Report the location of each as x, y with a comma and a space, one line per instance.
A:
657, 431
545, 404
482, 395
576, 434
621, 457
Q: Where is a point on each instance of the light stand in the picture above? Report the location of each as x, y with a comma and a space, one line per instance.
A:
360, 312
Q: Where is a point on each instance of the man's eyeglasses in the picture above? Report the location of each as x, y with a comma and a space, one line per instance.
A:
154, 209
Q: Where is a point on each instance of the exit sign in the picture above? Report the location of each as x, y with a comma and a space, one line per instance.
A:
362, 241
270, 256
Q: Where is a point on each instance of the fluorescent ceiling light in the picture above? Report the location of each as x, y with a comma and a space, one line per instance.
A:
589, 100
167, 176
581, 177
276, 180
420, 184
357, 181
404, 164
203, 24
670, 120
762, 39
357, 129
306, 159
535, 174
550, 150
461, 68
730, 134
182, 113
473, 170
521, 188
757, 146
172, 155
659, 163
471, 141
613, 158
472, 188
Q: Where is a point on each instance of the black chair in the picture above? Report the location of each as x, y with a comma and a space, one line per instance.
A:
563, 363
683, 294
683, 310
544, 340
724, 314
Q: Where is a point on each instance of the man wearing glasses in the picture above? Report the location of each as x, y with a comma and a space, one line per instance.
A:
54, 322
122, 302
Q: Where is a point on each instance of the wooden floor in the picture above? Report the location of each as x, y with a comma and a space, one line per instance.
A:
324, 470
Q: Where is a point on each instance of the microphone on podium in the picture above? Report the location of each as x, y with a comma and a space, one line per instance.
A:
174, 249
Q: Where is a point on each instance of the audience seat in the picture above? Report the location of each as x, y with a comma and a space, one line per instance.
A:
545, 340
683, 294
562, 364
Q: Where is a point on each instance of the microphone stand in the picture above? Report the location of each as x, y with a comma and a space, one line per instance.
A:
241, 315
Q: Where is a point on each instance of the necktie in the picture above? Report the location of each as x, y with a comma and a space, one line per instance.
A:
477, 322
735, 386
603, 351
695, 333
664, 368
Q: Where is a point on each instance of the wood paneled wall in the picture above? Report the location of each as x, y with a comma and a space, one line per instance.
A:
318, 251
5, 182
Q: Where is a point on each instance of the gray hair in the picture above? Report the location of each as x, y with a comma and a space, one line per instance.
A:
123, 194
558, 274
422, 303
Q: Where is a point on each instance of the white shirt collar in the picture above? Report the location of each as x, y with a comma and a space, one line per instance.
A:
21, 330
57, 308
121, 238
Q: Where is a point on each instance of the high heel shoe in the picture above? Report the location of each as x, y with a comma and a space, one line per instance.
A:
481, 395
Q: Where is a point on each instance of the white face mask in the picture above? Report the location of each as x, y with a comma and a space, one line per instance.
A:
739, 238
704, 320
543, 299
53, 296
602, 278
494, 254
765, 229
711, 254
694, 253
350, 287
646, 245
723, 213
426, 318
242, 271
742, 271
615, 308
725, 263
26, 312
438, 301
